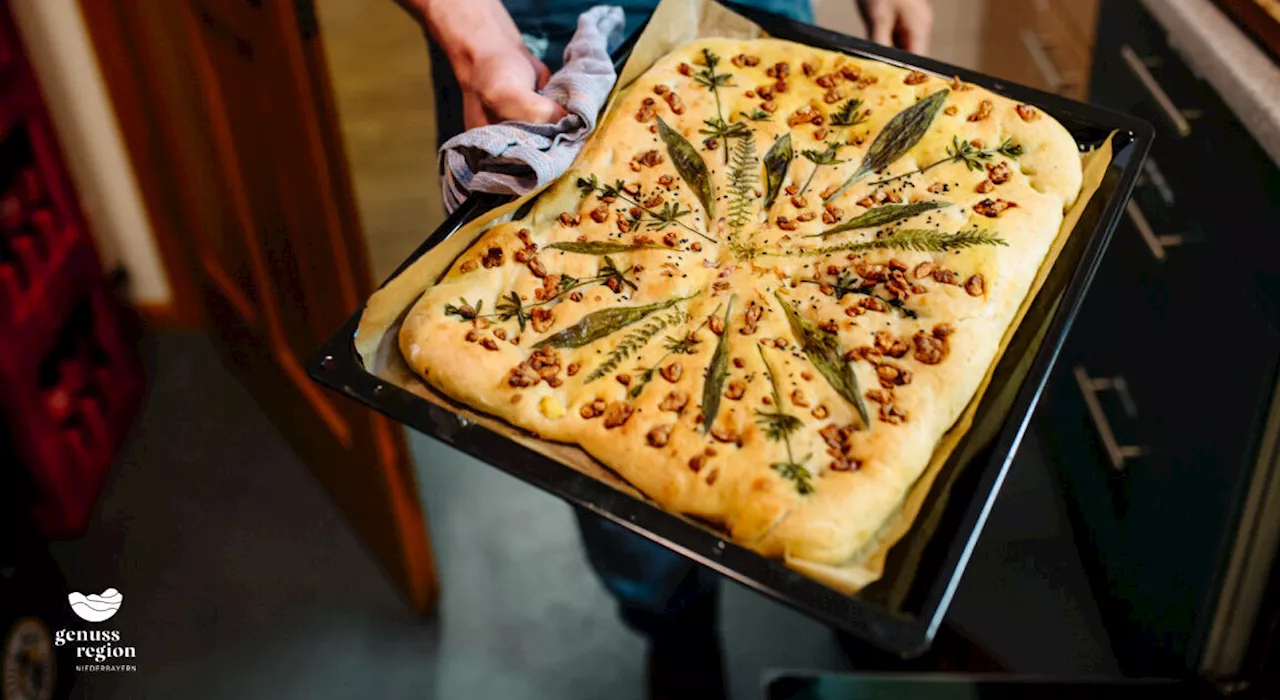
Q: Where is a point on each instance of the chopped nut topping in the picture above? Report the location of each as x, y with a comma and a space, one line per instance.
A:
696, 246
983, 111
1027, 112
697, 462
660, 435
769, 106
685, 69
975, 286
469, 266
492, 257
984, 187
488, 344
820, 133
786, 224
806, 216
667, 181
600, 214
959, 86
674, 102
873, 304
915, 77
828, 326
645, 113
828, 192
567, 219
928, 349
943, 330
725, 434
999, 173
819, 412
797, 398
879, 396
711, 144
833, 95
716, 324
750, 318
672, 372
951, 110
675, 402
873, 272
660, 89
736, 389
617, 413
501, 334
891, 414
991, 208
945, 276
923, 270
536, 267
799, 202
832, 214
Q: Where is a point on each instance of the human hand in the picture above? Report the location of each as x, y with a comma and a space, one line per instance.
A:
905, 24
498, 75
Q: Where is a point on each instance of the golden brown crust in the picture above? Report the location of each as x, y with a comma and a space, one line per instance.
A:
783, 467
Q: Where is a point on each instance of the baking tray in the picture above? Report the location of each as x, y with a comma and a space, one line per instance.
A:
900, 612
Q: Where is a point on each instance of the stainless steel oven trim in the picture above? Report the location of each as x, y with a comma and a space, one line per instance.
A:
1252, 559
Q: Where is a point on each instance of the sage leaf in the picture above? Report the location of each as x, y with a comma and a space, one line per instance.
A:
692, 169
602, 323
903, 131
599, 247
776, 162
824, 351
713, 380
882, 216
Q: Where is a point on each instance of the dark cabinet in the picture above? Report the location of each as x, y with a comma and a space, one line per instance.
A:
1157, 412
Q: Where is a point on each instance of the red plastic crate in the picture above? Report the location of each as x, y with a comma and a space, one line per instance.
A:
69, 408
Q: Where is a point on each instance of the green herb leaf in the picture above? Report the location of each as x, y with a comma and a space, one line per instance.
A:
797, 473
903, 131
743, 176
713, 380
634, 341
882, 216
690, 165
602, 323
776, 162
600, 247
849, 114
924, 240
510, 307
824, 351
757, 115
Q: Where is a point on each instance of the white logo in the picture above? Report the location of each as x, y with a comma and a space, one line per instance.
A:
96, 607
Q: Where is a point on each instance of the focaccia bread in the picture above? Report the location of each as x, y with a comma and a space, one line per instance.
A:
765, 289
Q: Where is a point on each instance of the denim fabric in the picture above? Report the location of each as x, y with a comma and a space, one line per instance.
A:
553, 21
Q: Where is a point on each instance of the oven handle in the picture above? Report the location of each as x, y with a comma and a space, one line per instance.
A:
1157, 243
1089, 389
1161, 97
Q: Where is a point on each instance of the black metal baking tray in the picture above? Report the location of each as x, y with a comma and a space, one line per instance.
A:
902, 611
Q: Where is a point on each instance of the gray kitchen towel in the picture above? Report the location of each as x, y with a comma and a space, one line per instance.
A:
518, 157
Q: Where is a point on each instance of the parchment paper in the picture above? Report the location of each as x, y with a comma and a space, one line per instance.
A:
674, 24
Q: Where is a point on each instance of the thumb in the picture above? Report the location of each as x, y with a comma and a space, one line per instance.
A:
528, 106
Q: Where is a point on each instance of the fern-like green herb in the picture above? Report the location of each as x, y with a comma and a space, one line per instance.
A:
924, 240
778, 426
821, 158
744, 175
674, 346
849, 114
635, 340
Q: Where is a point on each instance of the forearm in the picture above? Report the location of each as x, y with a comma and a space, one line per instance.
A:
464, 28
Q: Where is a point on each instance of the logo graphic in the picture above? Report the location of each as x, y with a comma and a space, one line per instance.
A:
96, 607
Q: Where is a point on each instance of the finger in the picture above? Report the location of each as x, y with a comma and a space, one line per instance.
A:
915, 27
541, 72
880, 20
527, 106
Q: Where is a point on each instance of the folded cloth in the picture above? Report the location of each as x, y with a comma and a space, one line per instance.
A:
519, 157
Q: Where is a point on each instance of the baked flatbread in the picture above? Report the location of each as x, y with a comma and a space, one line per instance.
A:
766, 288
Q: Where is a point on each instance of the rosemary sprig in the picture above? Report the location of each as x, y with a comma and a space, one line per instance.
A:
849, 114
744, 175
778, 426
658, 219
633, 341
674, 346
964, 152
924, 240
821, 158
846, 283
510, 305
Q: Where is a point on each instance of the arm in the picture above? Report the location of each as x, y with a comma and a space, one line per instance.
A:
905, 24
497, 74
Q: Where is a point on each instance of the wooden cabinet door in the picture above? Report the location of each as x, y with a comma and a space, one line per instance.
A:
226, 109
